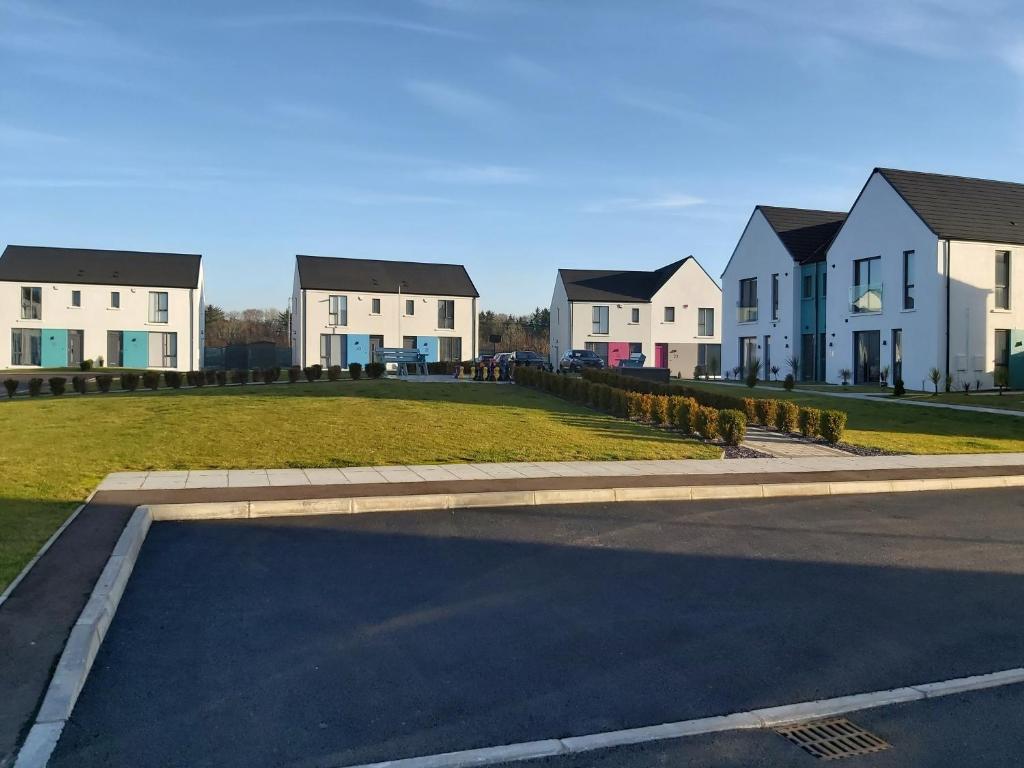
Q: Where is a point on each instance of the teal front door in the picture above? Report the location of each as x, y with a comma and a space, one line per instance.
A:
1017, 359
54, 348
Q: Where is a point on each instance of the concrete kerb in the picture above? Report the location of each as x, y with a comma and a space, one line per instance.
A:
83, 644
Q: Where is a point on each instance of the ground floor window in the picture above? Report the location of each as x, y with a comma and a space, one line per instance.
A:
1002, 358
26, 346
709, 357
163, 350
333, 349
449, 349
115, 349
866, 357
599, 348
897, 355
807, 357
748, 352
376, 342
409, 342
636, 348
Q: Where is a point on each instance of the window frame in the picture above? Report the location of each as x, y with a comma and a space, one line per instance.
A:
337, 310
634, 315
156, 311
446, 348
374, 306
76, 298
599, 318
35, 351
32, 307
115, 299
410, 307
1003, 302
446, 319
775, 296
669, 311
909, 299
748, 293
703, 313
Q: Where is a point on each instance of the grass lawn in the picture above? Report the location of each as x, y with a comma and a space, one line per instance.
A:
1011, 401
55, 450
905, 428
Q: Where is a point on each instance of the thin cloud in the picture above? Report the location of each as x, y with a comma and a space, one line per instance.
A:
528, 70
670, 203
667, 106
314, 18
480, 174
455, 101
12, 135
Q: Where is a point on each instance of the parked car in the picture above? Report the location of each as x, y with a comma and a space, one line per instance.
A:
532, 359
576, 360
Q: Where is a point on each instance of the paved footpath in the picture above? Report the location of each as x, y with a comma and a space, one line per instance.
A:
37, 617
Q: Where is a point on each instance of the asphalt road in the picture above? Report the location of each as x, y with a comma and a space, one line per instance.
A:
342, 640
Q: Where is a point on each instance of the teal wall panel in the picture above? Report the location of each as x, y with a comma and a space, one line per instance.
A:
427, 345
136, 349
1017, 359
54, 353
358, 348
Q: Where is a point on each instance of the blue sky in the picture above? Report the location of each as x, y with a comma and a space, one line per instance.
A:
514, 136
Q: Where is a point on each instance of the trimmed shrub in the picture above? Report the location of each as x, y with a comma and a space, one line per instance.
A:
898, 390
270, 375
222, 378
78, 384
240, 376
11, 385
732, 426
35, 387
256, 374
355, 371
334, 372
172, 379
833, 425
810, 422
309, 373
151, 379
293, 374
318, 371
633, 405
190, 378
375, 370
659, 409
57, 385
103, 381
85, 365
750, 409
787, 415
129, 382
789, 382
766, 412
705, 422
684, 413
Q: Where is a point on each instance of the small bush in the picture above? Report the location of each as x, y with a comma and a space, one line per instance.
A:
256, 374
211, 376
334, 372
129, 382
898, 390
293, 374
787, 416
732, 426
705, 422
35, 387
57, 385
270, 375
750, 409
659, 409
86, 365
318, 371
78, 384
683, 415
173, 379
240, 376
103, 381
789, 382
833, 425
309, 373
766, 412
810, 422
151, 379
222, 378
11, 385
355, 371
375, 370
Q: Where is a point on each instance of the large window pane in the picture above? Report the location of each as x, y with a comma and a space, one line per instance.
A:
449, 349
599, 317
446, 313
1002, 296
26, 346
337, 310
158, 306
31, 303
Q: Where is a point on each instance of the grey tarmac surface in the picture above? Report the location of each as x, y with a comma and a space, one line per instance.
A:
332, 641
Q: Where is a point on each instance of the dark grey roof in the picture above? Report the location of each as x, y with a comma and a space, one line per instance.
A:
327, 273
616, 284
960, 208
805, 233
20, 263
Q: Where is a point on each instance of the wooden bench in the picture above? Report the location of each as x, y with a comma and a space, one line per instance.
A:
403, 359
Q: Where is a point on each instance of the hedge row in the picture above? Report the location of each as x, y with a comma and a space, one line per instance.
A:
660, 410
782, 415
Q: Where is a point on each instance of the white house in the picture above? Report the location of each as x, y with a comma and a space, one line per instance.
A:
774, 292
343, 309
926, 273
132, 309
671, 314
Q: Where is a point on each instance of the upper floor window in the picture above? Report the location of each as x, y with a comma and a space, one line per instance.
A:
31, 303
634, 315
807, 287
1002, 279
337, 310
748, 300
775, 297
445, 313
706, 321
76, 298
824, 283
670, 314
410, 307
374, 306
866, 293
158, 306
599, 320
908, 279
115, 299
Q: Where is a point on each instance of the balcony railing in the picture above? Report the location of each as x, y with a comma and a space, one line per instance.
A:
746, 314
866, 298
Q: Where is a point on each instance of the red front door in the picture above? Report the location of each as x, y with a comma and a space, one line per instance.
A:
661, 355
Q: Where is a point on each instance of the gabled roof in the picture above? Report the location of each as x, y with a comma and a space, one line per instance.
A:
805, 233
22, 263
961, 208
328, 273
616, 284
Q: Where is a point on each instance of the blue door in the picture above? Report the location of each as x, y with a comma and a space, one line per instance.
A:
136, 349
427, 345
358, 348
54, 353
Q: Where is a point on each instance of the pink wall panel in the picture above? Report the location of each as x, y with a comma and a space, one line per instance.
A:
617, 350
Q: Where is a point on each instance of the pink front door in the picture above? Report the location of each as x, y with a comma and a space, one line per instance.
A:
661, 355
617, 350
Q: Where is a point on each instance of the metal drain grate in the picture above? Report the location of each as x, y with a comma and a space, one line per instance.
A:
833, 738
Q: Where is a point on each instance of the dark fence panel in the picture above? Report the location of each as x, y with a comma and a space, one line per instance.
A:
259, 354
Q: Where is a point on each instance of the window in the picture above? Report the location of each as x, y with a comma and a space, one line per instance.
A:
115, 349
599, 348
409, 342
908, 279
1002, 279
709, 357
76, 298
163, 350
376, 342
158, 306
807, 287
31, 303
636, 348
634, 315
115, 299
824, 283
26, 346
446, 313
670, 314
866, 293
748, 352
897, 355
599, 318
706, 321
333, 349
748, 300
775, 297
410, 307
1002, 358
449, 349
374, 306
337, 310
766, 357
